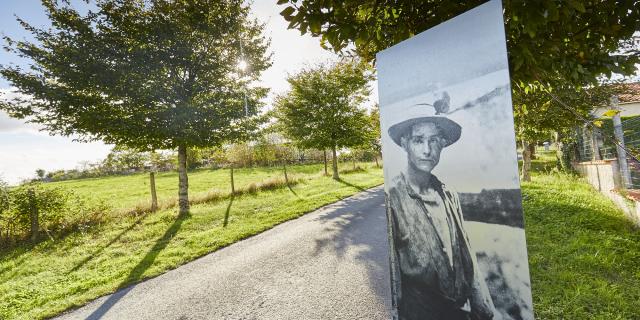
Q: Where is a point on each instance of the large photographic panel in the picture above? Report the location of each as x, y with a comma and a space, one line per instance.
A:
451, 174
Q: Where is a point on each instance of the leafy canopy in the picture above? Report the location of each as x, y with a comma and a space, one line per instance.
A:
537, 114
145, 74
576, 39
554, 46
323, 108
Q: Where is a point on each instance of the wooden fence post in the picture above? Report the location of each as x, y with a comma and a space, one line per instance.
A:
154, 196
34, 216
326, 173
233, 187
286, 178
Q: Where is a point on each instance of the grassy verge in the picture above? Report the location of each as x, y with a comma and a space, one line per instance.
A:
583, 254
41, 281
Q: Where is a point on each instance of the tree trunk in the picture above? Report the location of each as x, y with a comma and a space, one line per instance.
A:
375, 157
233, 185
326, 173
334, 163
354, 162
154, 195
563, 153
183, 181
286, 178
532, 150
526, 161
35, 227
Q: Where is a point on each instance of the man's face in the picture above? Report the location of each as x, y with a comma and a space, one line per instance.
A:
423, 146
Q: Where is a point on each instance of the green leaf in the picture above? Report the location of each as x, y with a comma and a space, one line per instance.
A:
287, 12
577, 5
315, 26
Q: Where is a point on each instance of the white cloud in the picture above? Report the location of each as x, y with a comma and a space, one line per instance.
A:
21, 153
8, 124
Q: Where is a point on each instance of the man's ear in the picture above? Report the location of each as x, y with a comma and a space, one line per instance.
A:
403, 142
443, 142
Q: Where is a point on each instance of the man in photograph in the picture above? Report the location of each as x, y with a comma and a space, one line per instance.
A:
438, 274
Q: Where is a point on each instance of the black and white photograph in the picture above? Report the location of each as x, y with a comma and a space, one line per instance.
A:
458, 248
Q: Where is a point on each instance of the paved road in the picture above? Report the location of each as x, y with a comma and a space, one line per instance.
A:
329, 264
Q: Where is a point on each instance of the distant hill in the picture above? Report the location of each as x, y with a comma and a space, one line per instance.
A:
502, 206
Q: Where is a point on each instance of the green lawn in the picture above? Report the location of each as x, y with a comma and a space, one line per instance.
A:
124, 192
584, 256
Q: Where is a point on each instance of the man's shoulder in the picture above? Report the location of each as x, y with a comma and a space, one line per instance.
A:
397, 186
399, 182
444, 187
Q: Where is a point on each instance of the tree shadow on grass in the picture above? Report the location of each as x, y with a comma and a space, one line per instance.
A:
114, 240
351, 184
291, 189
137, 272
226, 214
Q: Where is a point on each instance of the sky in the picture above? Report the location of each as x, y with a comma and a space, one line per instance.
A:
23, 148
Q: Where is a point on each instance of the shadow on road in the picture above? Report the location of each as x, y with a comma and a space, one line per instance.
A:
136, 273
357, 227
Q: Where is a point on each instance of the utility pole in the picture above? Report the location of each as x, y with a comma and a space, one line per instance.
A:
619, 134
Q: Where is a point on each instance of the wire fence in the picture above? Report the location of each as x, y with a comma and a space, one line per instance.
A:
602, 144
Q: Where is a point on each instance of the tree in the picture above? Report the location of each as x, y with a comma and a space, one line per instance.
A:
538, 115
375, 142
577, 39
40, 173
323, 108
553, 43
34, 203
124, 159
149, 75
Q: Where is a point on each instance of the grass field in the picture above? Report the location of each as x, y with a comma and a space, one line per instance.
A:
123, 192
584, 256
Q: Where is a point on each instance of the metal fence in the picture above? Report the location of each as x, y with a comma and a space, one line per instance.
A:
614, 138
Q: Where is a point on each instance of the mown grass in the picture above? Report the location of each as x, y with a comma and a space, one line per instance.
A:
584, 255
43, 280
124, 192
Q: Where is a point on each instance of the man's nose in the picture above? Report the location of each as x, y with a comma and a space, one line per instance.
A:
426, 149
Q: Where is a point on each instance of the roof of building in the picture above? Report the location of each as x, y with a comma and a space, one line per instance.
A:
631, 94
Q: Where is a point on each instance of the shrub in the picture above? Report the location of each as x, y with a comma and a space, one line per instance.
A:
5, 204
59, 212
49, 203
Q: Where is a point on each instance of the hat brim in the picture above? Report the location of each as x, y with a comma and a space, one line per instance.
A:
450, 129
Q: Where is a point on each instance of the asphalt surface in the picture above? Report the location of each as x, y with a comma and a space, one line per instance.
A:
329, 264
